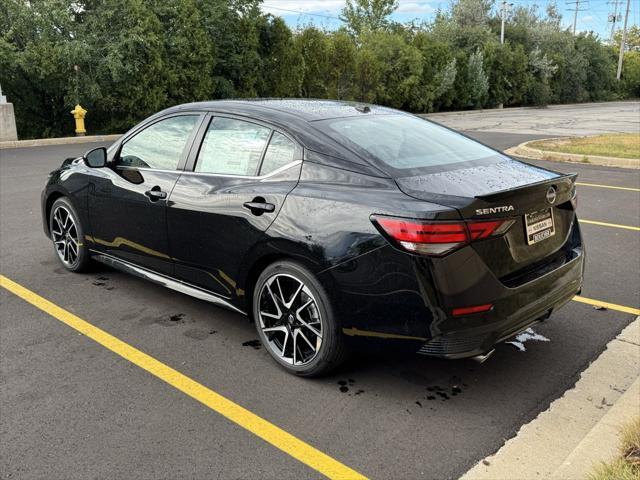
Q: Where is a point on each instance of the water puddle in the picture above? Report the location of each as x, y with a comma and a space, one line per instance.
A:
527, 336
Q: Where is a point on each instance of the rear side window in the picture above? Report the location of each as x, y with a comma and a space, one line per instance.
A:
160, 145
404, 143
232, 147
280, 152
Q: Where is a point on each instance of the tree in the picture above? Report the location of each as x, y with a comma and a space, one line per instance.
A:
507, 67
389, 69
543, 69
342, 66
368, 15
126, 59
282, 65
632, 40
478, 80
313, 47
631, 75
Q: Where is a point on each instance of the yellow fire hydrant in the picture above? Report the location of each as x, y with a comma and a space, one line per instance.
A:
79, 113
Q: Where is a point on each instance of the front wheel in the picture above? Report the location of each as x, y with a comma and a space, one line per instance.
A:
68, 236
295, 321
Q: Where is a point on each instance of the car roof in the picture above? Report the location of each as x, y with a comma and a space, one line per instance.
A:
297, 117
304, 109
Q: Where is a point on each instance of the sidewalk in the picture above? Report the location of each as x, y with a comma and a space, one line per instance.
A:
580, 428
42, 142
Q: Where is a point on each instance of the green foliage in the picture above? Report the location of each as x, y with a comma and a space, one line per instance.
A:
125, 59
631, 75
313, 46
362, 16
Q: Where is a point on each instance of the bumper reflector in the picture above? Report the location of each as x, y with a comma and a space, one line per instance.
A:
459, 312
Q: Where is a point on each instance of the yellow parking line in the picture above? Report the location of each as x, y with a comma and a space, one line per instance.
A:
260, 427
610, 306
614, 225
596, 185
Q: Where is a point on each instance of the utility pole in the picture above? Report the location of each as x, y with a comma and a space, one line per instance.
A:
575, 14
613, 18
623, 40
505, 7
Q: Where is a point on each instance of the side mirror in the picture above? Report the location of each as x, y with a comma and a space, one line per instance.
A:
96, 158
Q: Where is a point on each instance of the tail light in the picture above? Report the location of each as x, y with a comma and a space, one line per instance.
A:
437, 238
462, 311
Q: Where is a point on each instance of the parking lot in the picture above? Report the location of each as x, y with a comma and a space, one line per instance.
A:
72, 408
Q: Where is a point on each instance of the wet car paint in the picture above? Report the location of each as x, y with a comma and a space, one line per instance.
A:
323, 220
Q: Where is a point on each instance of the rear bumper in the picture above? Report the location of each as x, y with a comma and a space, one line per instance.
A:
518, 301
516, 310
393, 295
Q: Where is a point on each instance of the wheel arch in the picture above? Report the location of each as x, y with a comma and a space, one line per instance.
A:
262, 262
50, 200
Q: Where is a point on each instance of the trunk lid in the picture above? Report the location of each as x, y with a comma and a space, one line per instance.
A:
500, 189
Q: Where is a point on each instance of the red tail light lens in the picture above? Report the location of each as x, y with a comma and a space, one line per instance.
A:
459, 312
438, 238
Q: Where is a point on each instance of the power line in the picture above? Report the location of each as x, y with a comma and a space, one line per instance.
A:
576, 10
300, 12
615, 17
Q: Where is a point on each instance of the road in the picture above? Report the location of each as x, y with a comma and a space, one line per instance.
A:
553, 121
73, 409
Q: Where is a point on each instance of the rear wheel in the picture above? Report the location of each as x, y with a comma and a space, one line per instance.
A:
67, 236
295, 322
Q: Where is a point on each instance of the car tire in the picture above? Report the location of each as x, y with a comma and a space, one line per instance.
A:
67, 235
282, 290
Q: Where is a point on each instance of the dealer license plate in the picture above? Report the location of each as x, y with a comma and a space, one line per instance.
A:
539, 225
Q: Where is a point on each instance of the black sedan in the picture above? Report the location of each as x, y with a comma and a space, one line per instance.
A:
324, 221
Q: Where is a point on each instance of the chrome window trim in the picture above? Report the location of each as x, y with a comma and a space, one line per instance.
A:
189, 172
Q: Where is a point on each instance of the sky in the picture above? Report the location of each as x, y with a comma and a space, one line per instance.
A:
593, 14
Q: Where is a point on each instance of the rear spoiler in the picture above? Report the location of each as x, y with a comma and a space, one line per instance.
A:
565, 181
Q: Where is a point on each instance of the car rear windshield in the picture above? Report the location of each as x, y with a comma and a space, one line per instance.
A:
406, 143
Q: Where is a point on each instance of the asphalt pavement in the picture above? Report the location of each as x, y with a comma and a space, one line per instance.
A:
70, 408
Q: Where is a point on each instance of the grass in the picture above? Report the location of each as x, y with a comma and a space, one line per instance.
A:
627, 465
621, 145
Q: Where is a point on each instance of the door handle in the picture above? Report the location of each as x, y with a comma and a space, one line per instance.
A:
155, 194
258, 206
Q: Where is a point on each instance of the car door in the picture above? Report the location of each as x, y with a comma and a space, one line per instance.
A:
128, 201
220, 207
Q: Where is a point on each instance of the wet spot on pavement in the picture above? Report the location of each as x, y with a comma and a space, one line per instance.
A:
255, 344
164, 320
102, 282
455, 388
196, 334
345, 384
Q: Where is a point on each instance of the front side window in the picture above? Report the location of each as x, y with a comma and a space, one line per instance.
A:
280, 152
232, 147
159, 146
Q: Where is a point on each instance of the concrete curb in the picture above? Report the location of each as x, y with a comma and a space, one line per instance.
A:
42, 142
560, 440
603, 441
525, 151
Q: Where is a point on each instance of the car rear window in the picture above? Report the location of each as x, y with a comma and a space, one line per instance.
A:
405, 143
